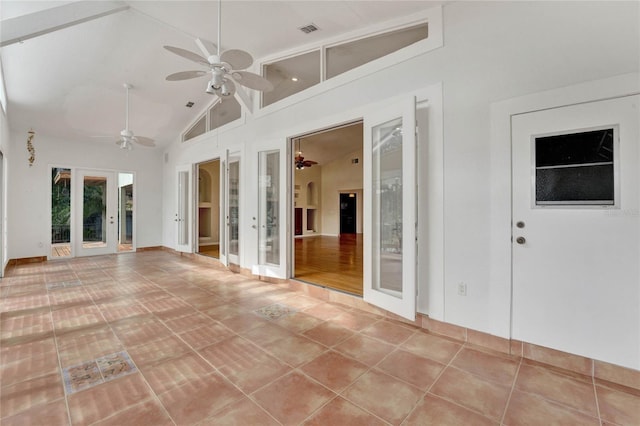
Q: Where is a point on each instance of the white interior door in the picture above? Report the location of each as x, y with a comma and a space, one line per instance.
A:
96, 224
184, 209
390, 208
576, 229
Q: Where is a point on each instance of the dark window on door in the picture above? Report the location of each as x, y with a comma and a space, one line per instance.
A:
575, 168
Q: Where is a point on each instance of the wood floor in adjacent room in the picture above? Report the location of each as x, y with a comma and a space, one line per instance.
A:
334, 262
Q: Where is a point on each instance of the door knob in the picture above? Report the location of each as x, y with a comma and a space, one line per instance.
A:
521, 240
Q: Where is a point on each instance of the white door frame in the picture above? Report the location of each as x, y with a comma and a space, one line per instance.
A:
184, 209
500, 282
402, 302
111, 222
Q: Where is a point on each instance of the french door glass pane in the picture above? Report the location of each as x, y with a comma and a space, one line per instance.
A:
60, 212
234, 206
387, 207
269, 202
94, 212
183, 207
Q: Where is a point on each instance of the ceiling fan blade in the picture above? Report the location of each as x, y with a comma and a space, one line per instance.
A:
207, 47
187, 55
252, 81
144, 141
238, 59
185, 75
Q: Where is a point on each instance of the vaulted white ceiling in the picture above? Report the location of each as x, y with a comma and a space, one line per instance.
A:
67, 83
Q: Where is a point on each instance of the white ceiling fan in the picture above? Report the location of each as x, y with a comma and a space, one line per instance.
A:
127, 137
226, 70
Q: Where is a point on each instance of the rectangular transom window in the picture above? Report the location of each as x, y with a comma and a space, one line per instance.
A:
224, 112
344, 57
575, 169
291, 75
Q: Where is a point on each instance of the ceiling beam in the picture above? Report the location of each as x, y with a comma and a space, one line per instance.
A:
20, 28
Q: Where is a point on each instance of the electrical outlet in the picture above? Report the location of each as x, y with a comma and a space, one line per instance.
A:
462, 289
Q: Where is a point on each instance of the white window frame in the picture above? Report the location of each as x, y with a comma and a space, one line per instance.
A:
432, 17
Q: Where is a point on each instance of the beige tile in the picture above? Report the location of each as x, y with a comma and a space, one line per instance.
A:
101, 401
29, 368
563, 389
365, 349
495, 367
389, 332
54, 412
446, 329
473, 392
430, 346
618, 407
295, 350
145, 413
334, 370
240, 413
243, 363
156, 350
433, 410
298, 322
199, 399
25, 395
557, 358
341, 412
529, 409
489, 341
355, 320
168, 373
205, 335
420, 372
328, 333
616, 374
292, 398
385, 396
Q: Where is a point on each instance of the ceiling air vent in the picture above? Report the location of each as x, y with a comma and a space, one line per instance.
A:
309, 28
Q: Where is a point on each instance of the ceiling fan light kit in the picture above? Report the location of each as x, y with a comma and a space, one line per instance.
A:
226, 69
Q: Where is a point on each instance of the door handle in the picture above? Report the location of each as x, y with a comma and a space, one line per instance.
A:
521, 240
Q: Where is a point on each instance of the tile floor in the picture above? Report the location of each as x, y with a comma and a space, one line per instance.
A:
151, 338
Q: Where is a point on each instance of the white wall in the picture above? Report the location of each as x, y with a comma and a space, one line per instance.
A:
492, 51
302, 179
4, 228
29, 188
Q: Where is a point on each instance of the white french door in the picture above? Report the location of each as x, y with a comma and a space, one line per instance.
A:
390, 208
230, 209
184, 209
232, 213
267, 228
96, 226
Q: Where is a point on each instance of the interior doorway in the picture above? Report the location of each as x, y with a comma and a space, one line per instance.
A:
348, 204
208, 217
327, 198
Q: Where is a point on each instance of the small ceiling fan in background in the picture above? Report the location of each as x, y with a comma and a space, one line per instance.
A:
226, 69
299, 160
127, 138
